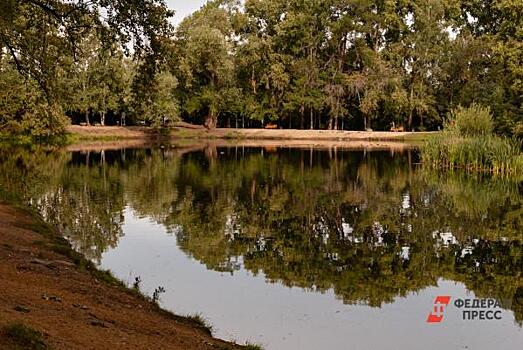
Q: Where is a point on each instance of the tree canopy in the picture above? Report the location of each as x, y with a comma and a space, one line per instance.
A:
318, 64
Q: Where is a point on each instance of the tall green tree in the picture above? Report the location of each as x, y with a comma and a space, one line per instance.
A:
41, 37
204, 62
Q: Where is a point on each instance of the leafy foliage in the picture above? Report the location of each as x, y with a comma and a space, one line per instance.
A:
345, 64
472, 121
68, 55
319, 64
468, 143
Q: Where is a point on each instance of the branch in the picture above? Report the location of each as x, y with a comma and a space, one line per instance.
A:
47, 9
18, 64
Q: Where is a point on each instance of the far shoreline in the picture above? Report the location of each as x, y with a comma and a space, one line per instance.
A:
182, 131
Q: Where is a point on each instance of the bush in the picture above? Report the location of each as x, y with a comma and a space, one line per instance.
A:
41, 122
24, 109
44, 121
26, 337
475, 120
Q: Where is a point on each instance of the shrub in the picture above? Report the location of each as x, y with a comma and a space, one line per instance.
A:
25, 110
39, 121
475, 120
25, 336
201, 322
44, 121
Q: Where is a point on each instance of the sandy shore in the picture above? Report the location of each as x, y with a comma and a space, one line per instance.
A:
48, 288
183, 130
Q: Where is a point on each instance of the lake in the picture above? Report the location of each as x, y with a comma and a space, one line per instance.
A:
298, 247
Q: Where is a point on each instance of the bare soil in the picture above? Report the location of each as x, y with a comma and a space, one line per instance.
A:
71, 305
185, 130
315, 135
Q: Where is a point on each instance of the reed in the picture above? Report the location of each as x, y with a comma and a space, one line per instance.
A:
468, 143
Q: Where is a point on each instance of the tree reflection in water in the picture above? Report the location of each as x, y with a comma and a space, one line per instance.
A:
369, 225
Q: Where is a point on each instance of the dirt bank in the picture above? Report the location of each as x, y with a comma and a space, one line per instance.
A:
52, 290
184, 130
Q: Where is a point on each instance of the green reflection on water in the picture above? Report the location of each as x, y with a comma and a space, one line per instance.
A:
370, 225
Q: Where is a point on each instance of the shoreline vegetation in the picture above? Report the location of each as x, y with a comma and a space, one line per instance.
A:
68, 303
468, 143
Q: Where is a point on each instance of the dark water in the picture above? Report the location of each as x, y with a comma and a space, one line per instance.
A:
293, 248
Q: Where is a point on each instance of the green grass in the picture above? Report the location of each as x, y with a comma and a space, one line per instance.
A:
252, 346
486, 154
63, 140
468, 143
418, 136
234, 135
25, 337
72, 138
192, 134
27, 140
201, 322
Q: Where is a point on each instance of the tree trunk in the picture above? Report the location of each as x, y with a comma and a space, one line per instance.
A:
302, 117
87, 121
210, 121
411, 109
312, 120
102, 119
409, 122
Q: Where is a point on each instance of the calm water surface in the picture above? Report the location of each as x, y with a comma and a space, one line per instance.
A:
292, 248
